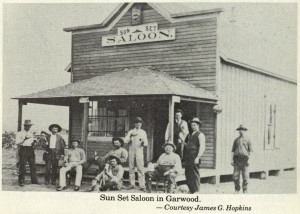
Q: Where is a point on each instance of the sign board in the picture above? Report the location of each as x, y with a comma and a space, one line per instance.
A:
84, 100
139, 34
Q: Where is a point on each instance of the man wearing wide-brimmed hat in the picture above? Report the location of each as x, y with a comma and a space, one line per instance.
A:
194, 149
55, 147
168, 165
112, 176
137, 139
25, 153
117, 151
240, 155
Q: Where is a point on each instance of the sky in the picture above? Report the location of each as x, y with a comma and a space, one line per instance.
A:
36, 50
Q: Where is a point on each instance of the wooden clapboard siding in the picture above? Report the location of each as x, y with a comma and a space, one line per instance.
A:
207, 117
244, 94
190, 57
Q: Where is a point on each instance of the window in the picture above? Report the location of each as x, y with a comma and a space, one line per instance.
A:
107, 119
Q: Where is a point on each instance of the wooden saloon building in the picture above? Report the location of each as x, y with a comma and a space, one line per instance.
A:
145, 61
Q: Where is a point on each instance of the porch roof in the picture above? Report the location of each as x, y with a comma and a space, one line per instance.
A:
127, 82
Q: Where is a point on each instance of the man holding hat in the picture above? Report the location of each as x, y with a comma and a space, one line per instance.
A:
137, 139
117, 151
25, 153
168, 165
240, 155
194, 149
55, 147
112, 176
75, 158
180, 132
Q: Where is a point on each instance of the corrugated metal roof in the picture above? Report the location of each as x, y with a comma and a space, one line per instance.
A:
137, 81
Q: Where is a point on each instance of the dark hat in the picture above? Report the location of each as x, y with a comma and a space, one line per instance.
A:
196, 120
241, 127
55, 125
27, 123
169, 144
114, 157
78, 141
118, 139
138, 120
178, 111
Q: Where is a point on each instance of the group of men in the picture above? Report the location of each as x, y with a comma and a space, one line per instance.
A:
185, 145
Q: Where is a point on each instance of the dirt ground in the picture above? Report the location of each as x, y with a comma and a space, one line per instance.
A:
284, 183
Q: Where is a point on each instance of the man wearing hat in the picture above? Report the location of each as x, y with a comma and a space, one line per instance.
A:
112, 176
168, 165
25, 153
117, 151
194, 149
180, 132
55, 147
137, 139
240, 155
75, 158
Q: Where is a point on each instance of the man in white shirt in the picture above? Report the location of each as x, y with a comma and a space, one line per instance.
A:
180, 132
168, 166
25, 140
55, 147
137, 139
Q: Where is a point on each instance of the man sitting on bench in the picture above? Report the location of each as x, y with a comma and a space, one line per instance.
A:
168, 166
111, 178
75, 159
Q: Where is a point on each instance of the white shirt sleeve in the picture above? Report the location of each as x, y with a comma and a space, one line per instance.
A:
184, 129
127, 138
201, 138
19, 138
144, 138
167, 133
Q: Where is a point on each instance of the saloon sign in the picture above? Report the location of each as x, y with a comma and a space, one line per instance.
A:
139, 34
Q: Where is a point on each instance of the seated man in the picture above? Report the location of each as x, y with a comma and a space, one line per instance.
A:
112, 176
168, 166
118, 151
75, 158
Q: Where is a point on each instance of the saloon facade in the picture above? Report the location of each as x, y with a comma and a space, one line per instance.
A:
144, 61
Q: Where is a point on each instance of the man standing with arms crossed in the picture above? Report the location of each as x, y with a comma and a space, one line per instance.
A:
137, 139
240, 155
24, 141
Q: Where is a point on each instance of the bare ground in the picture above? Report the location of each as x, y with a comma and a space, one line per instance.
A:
282, 184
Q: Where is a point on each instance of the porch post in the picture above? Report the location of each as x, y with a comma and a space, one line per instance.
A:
20, 111
172, 101
85, 120
171, 118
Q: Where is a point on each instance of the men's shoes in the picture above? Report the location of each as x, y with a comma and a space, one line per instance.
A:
236, 192
91, 188
76, 188
21, 184
245, 191
46, 182
143, 189
61, 188
34, 182
130, 187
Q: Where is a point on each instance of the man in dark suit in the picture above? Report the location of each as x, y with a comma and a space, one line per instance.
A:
55, 147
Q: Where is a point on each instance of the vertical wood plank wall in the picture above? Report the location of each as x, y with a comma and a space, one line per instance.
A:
244, 94
191, 57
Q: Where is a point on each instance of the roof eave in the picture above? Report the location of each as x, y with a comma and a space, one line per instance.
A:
112, 16
196, 13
